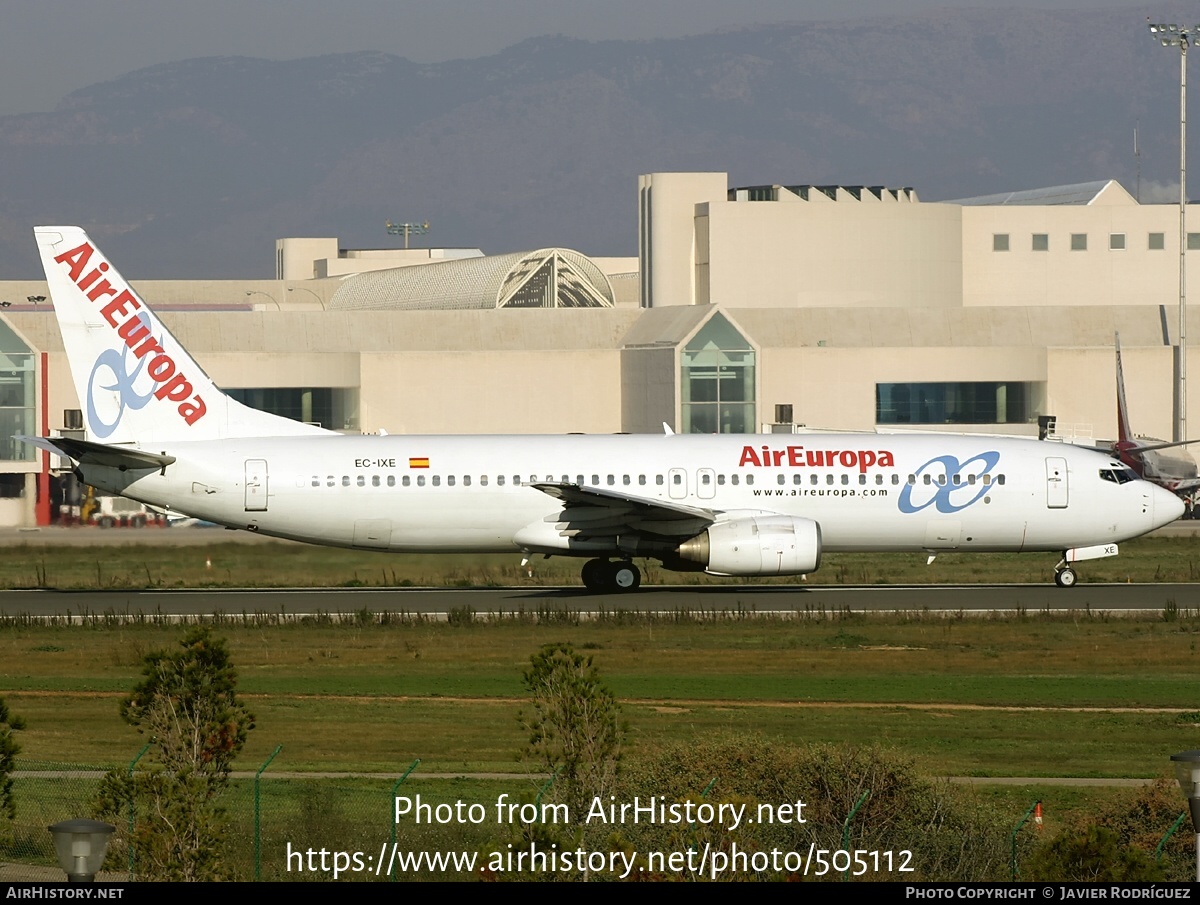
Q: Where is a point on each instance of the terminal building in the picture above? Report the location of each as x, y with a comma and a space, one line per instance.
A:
747, 309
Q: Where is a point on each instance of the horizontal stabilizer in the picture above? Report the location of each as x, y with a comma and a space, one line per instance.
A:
87, 453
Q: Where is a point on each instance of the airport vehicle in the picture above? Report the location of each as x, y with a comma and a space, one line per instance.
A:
1177, 473
160, 431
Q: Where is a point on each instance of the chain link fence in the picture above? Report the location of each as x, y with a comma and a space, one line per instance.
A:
265, 819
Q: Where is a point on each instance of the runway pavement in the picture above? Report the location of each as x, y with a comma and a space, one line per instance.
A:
746, 601
438, 602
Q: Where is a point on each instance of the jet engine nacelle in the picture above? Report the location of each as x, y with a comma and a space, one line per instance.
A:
757, 545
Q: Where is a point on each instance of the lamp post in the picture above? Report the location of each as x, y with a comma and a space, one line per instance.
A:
320, 301
407, 229
1187, 771
80, 845
251, 292
1180, 36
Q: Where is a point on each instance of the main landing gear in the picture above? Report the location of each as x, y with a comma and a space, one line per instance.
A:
607, 577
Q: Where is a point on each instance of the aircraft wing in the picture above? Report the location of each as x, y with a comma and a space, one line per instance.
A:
1141, 447
87, 453
592, 512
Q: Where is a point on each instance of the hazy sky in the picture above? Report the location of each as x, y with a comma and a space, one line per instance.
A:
49, 48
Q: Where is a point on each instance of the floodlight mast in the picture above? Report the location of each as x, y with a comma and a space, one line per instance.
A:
1180, 36
407, 229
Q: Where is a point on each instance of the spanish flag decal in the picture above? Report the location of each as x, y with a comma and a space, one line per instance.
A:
419, 462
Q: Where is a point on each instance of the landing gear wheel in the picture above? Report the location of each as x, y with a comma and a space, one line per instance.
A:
624, 576
1065, 578
594, 573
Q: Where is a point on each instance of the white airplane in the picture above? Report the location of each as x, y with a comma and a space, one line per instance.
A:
1144, 454
160, 431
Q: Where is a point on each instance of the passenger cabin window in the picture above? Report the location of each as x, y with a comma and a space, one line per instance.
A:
406, 480
437, 480
391, 480
450, 480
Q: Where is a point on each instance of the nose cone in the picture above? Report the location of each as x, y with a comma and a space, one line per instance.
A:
1167, 507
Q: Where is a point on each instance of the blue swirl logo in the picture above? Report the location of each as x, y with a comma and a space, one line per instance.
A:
948, 497
115, 363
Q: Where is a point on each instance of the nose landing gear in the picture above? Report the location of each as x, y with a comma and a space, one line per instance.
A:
1065, 577
607, 577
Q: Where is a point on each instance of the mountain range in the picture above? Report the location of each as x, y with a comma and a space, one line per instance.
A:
192, 169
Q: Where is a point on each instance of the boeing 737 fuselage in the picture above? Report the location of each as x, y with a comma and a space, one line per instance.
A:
161, 432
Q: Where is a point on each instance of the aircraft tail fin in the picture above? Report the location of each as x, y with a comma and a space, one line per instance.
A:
136, 383
1124, 434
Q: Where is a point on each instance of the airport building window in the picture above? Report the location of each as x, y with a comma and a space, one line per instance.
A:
1157, 242
1041, 242
1078, 241
1116, 241
335, 408
718, 374
1000, 242
17, 389
1193, 241
974, 402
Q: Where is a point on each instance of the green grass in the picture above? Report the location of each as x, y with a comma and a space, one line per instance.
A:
1030, 696
1165, 559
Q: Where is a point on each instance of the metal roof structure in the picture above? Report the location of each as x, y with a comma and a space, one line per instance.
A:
1080, 193
545, 278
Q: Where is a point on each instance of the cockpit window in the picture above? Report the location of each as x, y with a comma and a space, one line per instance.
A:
1118, 475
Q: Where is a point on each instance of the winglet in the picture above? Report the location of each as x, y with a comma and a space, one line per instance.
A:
667, 430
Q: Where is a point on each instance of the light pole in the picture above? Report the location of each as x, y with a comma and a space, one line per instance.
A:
320, 301
250, 292
80, 845
1180, 36
407, 229
1187, 771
